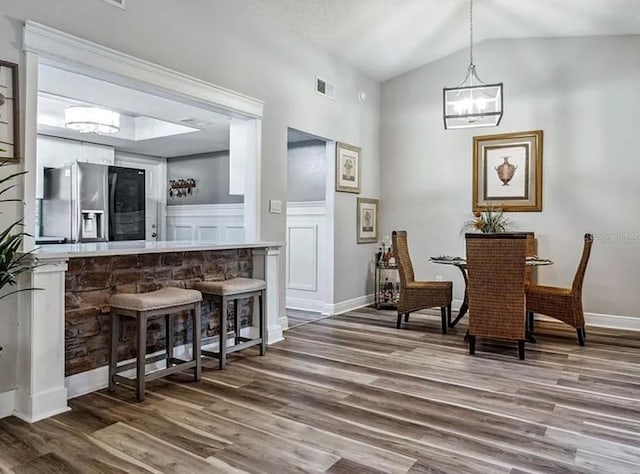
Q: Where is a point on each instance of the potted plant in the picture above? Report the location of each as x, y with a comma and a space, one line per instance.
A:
13, 262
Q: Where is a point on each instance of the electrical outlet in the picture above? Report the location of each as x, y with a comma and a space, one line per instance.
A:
438, 277
275, 206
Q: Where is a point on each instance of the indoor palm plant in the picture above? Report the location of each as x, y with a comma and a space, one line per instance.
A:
13, 262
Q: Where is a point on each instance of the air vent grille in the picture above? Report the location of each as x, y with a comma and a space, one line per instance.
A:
325, 88
117, 3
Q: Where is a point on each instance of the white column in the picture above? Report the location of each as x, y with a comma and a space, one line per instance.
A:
41, 392
265, 267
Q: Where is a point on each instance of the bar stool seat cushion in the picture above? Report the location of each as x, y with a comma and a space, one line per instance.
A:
163, 298
230, 287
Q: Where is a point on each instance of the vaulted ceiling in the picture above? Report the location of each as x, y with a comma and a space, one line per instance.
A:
386, 38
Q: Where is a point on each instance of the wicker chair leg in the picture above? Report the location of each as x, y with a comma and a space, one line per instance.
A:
580, 336
399, 322
406, 318
584, 333
443, 315
472, 345
521, 350
530, 322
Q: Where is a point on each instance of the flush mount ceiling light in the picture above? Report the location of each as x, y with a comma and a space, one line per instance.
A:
91, 120
473, 103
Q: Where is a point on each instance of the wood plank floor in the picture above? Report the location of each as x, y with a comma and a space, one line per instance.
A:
352, 394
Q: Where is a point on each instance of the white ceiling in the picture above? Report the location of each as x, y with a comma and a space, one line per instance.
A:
386, 38
59, 88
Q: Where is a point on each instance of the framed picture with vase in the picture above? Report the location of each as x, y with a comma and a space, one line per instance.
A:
367, 220
9, 112
507, 172
348, 168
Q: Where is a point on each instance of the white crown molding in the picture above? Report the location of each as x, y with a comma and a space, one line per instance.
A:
56, 45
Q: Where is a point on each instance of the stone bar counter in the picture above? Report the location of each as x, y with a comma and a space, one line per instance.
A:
64, 330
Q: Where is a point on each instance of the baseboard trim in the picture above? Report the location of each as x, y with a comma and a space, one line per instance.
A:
7, 403
302, 304
348, 305
607, 321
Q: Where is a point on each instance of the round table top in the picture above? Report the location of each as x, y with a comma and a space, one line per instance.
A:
534, 261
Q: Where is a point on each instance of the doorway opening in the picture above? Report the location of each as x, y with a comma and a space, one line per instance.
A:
309, 267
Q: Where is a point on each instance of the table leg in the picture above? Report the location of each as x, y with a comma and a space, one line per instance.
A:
465, 302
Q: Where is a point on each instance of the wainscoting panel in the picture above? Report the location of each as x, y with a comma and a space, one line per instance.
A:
302, 258
307, 256
206, 223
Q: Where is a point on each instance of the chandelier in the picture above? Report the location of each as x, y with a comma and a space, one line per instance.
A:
91, 120
473, 103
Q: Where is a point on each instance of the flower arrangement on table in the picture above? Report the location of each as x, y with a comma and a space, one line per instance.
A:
491, 221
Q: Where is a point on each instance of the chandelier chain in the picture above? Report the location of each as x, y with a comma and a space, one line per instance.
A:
470, 32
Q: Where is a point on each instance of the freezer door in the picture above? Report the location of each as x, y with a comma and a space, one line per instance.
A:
57, 203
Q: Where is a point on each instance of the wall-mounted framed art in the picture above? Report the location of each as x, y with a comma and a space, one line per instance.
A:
367, 220
348, 168
9, 112
507, 172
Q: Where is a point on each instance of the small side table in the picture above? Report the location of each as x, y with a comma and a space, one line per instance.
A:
387, 292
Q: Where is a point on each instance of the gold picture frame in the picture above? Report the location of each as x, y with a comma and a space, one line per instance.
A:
9, 112
368, 219
348, 166
507, 172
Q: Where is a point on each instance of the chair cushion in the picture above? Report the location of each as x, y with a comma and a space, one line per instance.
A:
159, 299
232, 286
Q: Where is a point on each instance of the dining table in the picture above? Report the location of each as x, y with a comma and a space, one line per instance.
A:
461, 264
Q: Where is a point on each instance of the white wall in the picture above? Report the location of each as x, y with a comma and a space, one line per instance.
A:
583, 92
216, 41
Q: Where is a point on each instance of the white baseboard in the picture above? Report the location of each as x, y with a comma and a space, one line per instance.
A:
348, 305
607, 321
306, 305
7, 403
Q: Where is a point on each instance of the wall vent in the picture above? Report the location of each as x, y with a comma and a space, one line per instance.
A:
325, 88
117, 3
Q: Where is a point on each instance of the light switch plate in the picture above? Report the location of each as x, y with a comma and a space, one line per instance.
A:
275, 206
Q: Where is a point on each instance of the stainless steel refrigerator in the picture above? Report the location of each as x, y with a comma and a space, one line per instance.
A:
75, 204
86, 202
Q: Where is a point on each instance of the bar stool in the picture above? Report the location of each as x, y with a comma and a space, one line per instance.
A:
143, 307
235, 289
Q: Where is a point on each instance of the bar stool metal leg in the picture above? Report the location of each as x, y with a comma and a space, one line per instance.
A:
168, 336
236, 320
197, 370
142, 351
223, 332
113, 350
263, 322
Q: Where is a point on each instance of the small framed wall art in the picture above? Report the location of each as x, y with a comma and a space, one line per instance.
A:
348, 168
9, 112
507, 172
367, 220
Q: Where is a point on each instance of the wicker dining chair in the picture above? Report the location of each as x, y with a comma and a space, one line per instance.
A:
564, 304
496, 288
417, 295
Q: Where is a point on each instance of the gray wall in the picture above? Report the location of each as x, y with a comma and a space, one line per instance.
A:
211, 172
188, 38
583, 92
306, 171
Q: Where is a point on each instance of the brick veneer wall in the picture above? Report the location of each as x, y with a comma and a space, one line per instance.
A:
90, 282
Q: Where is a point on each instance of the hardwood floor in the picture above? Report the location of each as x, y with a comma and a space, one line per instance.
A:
352, 394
